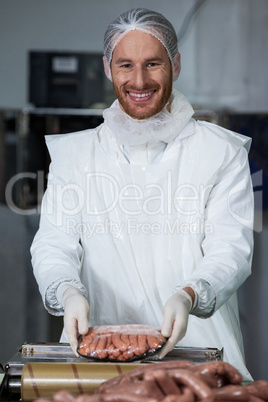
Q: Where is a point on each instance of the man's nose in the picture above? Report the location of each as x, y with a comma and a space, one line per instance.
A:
140, 77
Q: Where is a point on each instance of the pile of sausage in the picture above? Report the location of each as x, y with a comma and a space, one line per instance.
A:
120, 342
176, 381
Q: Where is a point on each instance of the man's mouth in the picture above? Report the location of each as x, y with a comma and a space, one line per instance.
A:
141, 96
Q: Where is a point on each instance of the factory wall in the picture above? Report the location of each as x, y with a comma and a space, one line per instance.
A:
223, 46
224, 49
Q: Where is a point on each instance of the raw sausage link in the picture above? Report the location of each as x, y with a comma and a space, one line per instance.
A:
153, 388
63, 396
165, 382
109, 340
126, 397
153, 342
187, 396
138, 372
231, 393
142, 344
187, 378
86, 341
133, 338
101, 348
116, 339
169, 366
125, 340
142, 388
93, 345
88, 398
128, 354
219, 368
259, 389
256, 399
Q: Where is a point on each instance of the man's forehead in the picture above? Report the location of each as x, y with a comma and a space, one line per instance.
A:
139, 39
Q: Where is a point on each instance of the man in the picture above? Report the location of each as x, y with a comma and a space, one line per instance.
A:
147, 218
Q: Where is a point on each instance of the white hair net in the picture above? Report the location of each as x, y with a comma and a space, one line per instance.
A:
149, 22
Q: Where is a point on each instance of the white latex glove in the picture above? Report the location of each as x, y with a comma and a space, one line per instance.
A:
76, 315
176, 313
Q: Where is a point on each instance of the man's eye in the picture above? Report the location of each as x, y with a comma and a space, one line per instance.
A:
126, 66
152, 64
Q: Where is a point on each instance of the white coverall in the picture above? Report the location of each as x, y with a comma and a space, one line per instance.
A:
128, 225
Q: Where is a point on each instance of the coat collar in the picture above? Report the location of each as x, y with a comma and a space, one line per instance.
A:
163, 127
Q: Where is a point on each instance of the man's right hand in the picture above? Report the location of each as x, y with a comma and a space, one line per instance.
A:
76, 316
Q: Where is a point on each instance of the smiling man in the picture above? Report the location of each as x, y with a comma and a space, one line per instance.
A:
142, 74
147, 219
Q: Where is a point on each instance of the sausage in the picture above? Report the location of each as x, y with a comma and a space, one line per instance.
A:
161, 339
258, 388
171, 398
83, 348
101, 350
219, 368
125, 340
212, 382
142, 388
93, 345
187, 396
42, 400
187, 378
128, 354
126, 397
116, 340
108, 340
139, 372
63, 396
88, 398
153, 342
121, 357
253, 398
152, 388
86, 340
142, 344
169, 366
165, 382
133, 339
230, 393
113, 352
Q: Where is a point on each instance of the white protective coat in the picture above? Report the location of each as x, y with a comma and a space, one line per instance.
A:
128, 234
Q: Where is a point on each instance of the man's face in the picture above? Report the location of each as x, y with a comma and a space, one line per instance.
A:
141, 74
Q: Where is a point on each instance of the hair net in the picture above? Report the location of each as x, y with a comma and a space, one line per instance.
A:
147, 21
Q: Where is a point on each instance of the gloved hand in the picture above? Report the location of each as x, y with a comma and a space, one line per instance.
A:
76, 315
176, 313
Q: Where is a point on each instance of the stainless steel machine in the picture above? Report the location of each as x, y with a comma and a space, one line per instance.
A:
41, 369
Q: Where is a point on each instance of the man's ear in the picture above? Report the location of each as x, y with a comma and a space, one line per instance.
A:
107, 68
176, 66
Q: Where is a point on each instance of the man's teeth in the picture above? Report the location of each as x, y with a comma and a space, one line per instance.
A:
144, 95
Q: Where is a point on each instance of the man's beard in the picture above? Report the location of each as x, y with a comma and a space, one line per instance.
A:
137, 112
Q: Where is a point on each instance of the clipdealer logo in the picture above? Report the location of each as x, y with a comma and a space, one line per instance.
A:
103, 195
186, 199
134, 227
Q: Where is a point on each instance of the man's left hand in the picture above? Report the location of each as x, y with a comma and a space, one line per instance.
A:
176, 314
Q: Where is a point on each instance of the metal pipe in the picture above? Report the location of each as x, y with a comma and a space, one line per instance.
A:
45, 379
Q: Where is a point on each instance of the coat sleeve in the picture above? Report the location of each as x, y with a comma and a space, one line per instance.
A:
56, 249
227, 249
